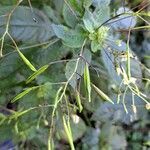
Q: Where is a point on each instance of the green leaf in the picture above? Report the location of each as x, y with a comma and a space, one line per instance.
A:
69, 17
89, 21
7, 2
95, 46
71, 38
46, 91
58, 5
99, 3
25, 25
87, 3
147, 143
6, 130
116, 113
51, 13
112, 137
19, 96
118, 138
93, 20
101, 15
35, 74
91, 139
76, 5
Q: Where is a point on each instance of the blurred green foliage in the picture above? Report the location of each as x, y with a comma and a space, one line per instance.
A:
81, 43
